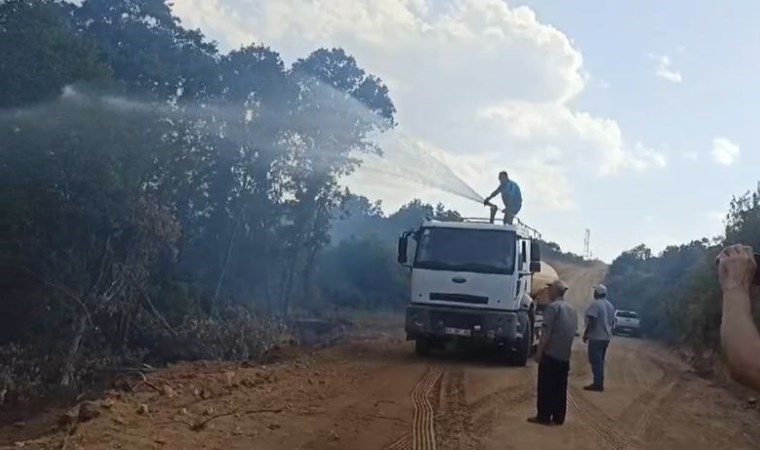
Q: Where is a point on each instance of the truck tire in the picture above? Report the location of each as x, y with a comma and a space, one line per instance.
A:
522, 351
422, 346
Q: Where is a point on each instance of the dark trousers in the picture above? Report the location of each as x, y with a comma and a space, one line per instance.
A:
552, 389
597, 352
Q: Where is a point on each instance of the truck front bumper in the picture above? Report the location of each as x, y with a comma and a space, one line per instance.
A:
443, 322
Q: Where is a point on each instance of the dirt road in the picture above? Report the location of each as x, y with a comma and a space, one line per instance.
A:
374, 393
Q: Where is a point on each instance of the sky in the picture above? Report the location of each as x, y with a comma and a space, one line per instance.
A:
635, 120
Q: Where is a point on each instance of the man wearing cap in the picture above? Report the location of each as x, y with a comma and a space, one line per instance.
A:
600, 321
560, 323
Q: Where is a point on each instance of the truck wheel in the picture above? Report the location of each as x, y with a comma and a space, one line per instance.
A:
422, 346
523, 348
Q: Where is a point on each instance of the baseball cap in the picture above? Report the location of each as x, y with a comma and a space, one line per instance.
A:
600, 289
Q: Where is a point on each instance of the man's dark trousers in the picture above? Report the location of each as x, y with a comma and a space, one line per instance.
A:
552, 389
597, 353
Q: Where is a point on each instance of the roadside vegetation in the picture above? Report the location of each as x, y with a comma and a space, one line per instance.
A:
676, 293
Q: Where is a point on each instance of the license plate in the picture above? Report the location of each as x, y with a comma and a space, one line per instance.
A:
457, 331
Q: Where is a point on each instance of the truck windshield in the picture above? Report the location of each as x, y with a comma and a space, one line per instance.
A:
457, 249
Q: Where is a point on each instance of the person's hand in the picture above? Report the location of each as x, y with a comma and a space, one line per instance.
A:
736, 267
585, 339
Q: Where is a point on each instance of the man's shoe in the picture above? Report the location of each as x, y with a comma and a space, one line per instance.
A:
539, 421
593, 388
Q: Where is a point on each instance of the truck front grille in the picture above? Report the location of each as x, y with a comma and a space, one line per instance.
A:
459, 298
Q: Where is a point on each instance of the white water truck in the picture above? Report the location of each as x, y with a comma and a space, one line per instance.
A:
473, 281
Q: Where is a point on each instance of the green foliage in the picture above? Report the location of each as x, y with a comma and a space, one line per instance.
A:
128, 225
551, 251
677, 293
657, 286
362, 273
41, 52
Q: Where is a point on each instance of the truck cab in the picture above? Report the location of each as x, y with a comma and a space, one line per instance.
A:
471, 281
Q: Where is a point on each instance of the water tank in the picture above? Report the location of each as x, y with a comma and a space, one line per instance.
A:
539, 290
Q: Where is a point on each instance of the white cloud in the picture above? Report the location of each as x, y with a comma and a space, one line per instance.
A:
724, 151
476, 78
574, 137
665, 69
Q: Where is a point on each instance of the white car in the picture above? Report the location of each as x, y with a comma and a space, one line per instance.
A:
626, 322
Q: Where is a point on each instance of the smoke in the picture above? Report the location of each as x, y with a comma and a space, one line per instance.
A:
386, 151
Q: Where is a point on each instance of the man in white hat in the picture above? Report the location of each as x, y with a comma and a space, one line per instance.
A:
600, 321
560, 323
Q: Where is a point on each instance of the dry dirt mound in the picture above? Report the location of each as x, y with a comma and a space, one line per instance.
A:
581, 278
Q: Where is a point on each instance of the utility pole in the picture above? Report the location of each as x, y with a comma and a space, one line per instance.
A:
587, 245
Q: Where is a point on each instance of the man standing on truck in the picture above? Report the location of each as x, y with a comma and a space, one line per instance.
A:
510, 195
560, 323
600, 321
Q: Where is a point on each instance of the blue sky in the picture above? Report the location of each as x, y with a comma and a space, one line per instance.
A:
633, 119
714, 47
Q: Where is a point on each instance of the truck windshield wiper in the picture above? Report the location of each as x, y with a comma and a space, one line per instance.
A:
466, 267
437, 265
481, 267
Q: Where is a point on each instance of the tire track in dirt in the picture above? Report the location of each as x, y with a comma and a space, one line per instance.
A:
454, 421
404, 443
648, 429
422, 435
423, 427
598, 421
642, 408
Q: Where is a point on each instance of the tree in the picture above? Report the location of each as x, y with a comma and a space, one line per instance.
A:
170, 183
40, 53
148, 50
86, 225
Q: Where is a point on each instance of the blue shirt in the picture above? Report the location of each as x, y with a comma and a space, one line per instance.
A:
511, 196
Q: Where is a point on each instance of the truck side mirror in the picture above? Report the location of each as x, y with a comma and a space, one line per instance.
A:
535, 252
535, 266
402, 246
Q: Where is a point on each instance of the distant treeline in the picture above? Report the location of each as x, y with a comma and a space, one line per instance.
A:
676, 293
